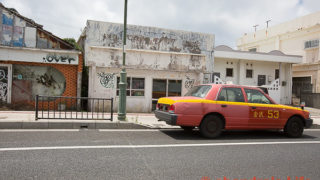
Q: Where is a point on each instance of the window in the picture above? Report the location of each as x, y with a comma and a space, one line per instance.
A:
199, 91
231, 94
311, 44
135, 86
276, 74
249, 73
253, 50
255, 96
229, 72
165, 87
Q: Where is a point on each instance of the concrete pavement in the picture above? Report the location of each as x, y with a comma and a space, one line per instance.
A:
157, 154
26, 120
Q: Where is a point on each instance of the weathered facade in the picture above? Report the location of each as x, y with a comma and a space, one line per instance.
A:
34, 62
159, 62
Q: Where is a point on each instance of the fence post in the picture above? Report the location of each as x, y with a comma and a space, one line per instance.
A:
111, 109
37, 101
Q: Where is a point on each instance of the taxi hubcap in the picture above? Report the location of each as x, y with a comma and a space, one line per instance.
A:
295, 127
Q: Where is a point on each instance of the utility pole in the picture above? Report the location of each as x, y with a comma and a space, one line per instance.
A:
268, 23
123, 73
255, 27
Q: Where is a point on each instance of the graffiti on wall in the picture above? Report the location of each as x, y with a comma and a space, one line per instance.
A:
106, 79
3, 84
48, 81
189, 82
58, 59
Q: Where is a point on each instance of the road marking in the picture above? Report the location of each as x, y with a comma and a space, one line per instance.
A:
139, 130
312, 130
38, 130
153, 146
103, 130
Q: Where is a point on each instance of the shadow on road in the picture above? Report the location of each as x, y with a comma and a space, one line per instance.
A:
234, 135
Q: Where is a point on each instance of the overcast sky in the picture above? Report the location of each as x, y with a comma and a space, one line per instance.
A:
227, 19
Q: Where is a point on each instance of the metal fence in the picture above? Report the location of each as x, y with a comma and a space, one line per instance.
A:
83, 108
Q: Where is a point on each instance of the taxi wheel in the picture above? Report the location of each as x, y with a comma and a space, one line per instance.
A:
211, 126
187, 128
294, 127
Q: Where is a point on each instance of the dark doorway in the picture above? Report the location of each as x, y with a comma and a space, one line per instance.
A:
301, 85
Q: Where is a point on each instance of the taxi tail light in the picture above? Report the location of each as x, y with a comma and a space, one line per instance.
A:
171, 108
158, 106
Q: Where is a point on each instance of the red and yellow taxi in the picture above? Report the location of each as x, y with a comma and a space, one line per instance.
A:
217, 107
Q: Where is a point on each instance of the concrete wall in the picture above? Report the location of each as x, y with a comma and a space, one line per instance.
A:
135, 103
104, 34
151, 53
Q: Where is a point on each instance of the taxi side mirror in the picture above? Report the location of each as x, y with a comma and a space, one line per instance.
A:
302, 105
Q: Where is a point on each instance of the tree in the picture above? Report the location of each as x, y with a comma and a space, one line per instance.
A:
73, 42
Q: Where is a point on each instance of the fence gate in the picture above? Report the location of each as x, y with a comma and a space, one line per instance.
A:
61, 107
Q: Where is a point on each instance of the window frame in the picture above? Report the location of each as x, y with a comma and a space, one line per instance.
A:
130, 89
247, 73
227, 99
260, 91
227, 72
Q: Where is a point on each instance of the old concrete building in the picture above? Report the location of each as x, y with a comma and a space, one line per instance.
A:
299, 36
272, 70
33, 61
159, 62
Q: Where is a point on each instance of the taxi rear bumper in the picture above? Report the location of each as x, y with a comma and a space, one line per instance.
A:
169, 118
308, 123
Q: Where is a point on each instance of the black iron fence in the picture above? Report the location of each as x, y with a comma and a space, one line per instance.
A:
61, 107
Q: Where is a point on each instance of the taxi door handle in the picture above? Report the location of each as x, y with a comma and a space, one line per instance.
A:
253, 107
223, 105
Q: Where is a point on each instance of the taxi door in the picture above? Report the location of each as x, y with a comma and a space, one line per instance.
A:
262, 112
231, 104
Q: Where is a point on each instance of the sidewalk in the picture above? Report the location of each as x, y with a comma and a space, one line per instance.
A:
26, 120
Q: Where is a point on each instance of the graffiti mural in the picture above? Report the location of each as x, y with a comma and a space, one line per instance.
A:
189, 82
106, 79
3, 83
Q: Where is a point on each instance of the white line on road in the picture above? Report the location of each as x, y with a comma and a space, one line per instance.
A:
38, 130
103, 130
153, 146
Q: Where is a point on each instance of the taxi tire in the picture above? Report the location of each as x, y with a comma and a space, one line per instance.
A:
211, 126
294, 127
187, 128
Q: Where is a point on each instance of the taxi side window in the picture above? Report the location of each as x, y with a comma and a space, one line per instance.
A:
231, 94
255, 96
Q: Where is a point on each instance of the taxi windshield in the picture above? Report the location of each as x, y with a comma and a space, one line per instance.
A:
199, 91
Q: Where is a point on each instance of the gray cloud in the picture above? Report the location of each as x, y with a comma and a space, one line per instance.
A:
227, 19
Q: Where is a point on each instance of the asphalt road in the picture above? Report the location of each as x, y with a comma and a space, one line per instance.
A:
152, 154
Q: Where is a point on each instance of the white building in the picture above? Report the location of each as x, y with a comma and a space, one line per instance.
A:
162, 62
298, 37
271, 70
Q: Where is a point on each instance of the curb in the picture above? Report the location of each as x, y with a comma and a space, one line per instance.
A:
70, 125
